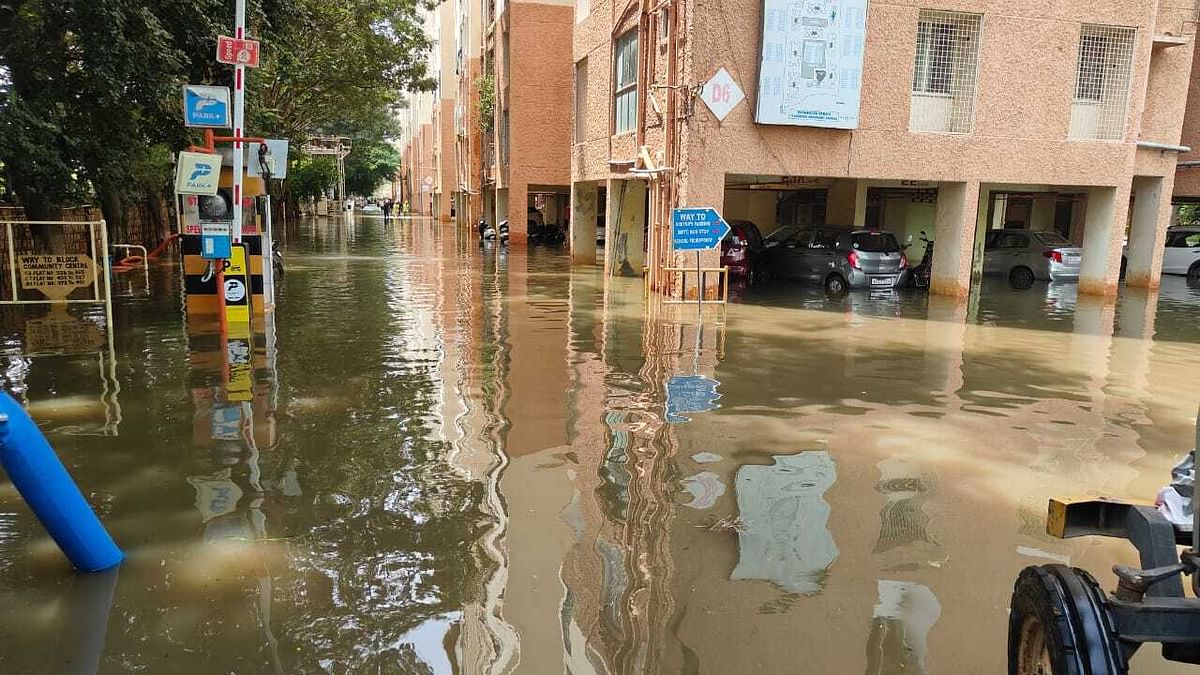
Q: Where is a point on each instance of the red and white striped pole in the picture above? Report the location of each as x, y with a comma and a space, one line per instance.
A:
239, 122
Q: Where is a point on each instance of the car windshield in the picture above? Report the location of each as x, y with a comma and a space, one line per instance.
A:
782, 234
1050, 238
875, 242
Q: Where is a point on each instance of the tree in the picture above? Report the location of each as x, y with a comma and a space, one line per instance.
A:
370, 165
89, 89
311, 177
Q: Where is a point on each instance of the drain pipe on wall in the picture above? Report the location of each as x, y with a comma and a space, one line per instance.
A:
1165, 147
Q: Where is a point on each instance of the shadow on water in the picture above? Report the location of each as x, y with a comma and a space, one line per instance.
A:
456, 458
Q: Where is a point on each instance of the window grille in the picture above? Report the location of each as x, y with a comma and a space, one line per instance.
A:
1102, 77
945, 72
625, 77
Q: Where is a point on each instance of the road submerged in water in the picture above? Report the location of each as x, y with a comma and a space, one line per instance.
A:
466, 460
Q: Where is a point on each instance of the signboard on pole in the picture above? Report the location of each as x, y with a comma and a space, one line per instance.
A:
205, 106
237, 52
275, 157
690, 394
697, 229
56, 276
812, 58
721, 94
197, 173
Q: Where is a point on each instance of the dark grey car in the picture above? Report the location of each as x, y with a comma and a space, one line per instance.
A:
838, 258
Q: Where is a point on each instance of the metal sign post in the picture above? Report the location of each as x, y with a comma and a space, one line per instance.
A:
239, 121
698, 229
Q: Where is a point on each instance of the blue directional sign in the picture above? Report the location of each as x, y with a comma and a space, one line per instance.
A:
690, 394
205, 106
697, 229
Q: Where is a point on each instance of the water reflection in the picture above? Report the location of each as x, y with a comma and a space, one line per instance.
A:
455, 459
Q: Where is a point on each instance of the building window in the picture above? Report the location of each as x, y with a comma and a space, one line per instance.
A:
1102, 77
504, 138
581, 87
625, 79
945, 72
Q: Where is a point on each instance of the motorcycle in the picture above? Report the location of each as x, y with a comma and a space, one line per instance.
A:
918, 276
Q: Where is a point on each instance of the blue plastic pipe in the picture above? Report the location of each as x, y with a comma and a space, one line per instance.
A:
48, 489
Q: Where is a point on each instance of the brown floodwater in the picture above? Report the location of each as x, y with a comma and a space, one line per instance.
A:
466, 460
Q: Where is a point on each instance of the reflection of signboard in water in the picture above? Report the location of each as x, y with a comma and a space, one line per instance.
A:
690, 394
56, 276
226, 422
59, 333
241, 371
216, 495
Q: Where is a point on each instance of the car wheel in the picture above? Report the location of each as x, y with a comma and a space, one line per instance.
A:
1058, 624
1021, 278
835, 285
1193, 273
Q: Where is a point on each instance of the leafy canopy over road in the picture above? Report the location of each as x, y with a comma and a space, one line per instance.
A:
90, 89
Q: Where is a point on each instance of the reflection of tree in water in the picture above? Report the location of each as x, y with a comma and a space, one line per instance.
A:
786, 539
903, 521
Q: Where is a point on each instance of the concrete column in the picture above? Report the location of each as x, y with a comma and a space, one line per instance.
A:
1148, 230
625, 248
489, 206
518, 213
501, 198
1078, 219
860, 203
841, 205
1041, 216
583, 223
954, 236
1102, 238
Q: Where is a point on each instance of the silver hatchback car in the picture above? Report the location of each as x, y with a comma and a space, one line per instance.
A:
1024, 256
838, 258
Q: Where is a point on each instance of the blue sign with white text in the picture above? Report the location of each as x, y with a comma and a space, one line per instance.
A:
690, 394
698, 229
205, 106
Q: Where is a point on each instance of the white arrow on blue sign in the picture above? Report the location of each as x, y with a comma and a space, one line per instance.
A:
697, 229
205, 106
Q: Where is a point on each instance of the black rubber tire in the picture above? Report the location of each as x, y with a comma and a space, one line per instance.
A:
836, 285
1193, 273
1021, 277
1059, 615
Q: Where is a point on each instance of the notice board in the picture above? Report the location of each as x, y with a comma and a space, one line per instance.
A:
812, 58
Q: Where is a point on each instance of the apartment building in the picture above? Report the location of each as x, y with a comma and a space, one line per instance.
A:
954, 118
499, 121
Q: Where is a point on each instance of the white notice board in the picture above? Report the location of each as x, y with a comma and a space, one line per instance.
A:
812, 57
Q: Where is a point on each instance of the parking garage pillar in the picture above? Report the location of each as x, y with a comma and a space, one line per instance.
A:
842, 200
954, 238
518, 213
583, 223
625, 252
1101, 267
1147, 231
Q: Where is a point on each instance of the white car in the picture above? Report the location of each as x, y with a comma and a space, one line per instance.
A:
372, 209
1182, 253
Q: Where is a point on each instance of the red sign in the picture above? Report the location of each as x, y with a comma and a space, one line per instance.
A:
237, 52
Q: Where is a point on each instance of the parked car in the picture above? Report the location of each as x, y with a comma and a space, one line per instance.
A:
742, 249
1181, 254
839, 259
371, 208
1024, 256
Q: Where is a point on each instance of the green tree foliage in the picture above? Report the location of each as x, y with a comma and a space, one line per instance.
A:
90, 89
311, 177
1189, 214
372, 164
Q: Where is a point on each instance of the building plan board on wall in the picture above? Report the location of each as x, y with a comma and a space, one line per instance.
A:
812, 57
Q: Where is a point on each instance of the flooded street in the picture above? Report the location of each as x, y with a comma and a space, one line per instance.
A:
460, 460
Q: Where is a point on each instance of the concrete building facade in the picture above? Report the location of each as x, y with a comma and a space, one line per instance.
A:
974, 115
500, 118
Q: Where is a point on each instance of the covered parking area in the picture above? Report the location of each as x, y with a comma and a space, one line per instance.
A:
1101, 224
